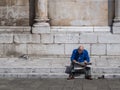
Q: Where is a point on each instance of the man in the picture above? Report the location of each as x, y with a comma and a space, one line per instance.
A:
80, 58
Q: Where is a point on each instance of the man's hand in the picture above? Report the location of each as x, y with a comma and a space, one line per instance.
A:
74, 61
85, 62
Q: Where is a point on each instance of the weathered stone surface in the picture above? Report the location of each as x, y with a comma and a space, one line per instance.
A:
66, 38
98, 49
101, 29
3, 2
1, 50
6, 38
72, 29
51, 49
47, 38
14, 13
76, 15
70, 47
109, 38
22, 2
41, 28
88, 38
14, 49
113, 49
26, 38
15, 28
21, 48
116, 30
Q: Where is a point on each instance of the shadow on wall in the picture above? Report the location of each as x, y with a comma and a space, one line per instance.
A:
32, 11
111, 11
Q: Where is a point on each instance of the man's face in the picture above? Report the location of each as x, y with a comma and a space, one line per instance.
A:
80, 51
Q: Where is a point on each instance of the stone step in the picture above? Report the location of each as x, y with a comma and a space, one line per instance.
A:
105, 70
49, 68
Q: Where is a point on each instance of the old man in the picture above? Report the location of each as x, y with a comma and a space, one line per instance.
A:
80, 57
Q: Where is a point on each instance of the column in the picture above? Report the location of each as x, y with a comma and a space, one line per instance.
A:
116, 24
41, 17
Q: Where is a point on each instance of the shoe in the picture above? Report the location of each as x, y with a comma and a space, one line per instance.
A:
88, 77
70, 78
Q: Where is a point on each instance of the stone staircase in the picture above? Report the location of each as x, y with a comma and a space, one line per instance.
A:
54, 67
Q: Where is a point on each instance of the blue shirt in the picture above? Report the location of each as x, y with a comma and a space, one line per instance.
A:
80, 57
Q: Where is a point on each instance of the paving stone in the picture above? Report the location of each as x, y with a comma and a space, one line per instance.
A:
60, 84
55, 88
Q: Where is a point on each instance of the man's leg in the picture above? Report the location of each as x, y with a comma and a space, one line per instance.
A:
72, 72
87, 71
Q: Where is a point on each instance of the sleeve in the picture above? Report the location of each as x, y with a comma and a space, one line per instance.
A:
87, 57
73, 55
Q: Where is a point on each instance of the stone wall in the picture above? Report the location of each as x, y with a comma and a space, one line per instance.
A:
14, 12
58, 44
61, 12
78, 12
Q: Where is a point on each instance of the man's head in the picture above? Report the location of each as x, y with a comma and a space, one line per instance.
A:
80, 49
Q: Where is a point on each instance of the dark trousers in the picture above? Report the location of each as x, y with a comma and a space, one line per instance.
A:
86, 70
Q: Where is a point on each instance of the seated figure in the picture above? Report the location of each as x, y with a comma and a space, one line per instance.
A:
80, 58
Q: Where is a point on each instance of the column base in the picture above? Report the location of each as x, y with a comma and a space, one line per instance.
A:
116, 30
41, 28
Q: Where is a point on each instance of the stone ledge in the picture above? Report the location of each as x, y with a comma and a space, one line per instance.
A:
80, 29
15, 28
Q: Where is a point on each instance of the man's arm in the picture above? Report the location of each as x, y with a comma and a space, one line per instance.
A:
87, 58
73, 59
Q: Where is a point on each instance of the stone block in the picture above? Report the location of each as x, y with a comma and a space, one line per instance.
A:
47, 38
71, 29
1, 50
6, 38
98, 49
3, 2
21, 48
88, 38
113, 49
41, 28
51, 49
15, 28
26, 38
109, 38
70, 47
116, 30
111, 76
67, 38
14, 50
22, 2
102, 29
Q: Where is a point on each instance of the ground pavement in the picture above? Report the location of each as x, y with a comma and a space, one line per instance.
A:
59, 84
